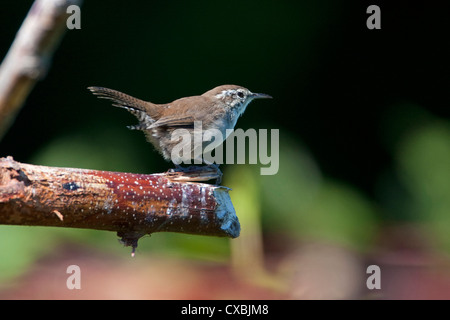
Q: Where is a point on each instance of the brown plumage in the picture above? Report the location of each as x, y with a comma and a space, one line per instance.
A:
218, 109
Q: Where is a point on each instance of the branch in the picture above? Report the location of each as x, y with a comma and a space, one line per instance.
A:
29, 57
131, 204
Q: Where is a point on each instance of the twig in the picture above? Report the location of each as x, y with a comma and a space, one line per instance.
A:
29, 57
131, 204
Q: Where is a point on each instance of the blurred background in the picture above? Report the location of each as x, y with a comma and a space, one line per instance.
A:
364, 176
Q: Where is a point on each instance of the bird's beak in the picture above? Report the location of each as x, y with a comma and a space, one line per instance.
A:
261, 96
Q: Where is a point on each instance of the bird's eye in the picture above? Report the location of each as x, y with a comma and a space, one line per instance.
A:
240, 94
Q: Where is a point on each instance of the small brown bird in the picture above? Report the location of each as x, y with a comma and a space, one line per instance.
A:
218, 109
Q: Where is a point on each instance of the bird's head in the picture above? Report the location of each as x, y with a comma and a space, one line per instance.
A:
235, 97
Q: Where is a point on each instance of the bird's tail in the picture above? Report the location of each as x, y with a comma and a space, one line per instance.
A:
144, 111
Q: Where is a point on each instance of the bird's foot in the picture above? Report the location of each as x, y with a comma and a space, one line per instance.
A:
196, 173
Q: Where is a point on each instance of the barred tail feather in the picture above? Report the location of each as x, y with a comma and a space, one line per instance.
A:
120, 99
137, 107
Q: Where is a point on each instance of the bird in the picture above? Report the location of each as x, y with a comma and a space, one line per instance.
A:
218, 109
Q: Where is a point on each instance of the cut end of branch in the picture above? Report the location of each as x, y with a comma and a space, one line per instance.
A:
225, 213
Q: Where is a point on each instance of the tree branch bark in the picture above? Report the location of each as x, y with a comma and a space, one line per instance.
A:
29, 57
131, 204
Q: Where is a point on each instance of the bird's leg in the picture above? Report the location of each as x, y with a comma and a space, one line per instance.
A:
219, 173
214, 166
197, 173
177, 168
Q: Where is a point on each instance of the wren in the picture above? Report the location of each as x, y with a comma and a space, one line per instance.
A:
218, 109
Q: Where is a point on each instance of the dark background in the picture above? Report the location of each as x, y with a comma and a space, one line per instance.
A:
333, 80
350, 100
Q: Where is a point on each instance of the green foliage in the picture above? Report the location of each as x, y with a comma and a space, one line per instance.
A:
100, 148
423, 161
21, 247
300, 201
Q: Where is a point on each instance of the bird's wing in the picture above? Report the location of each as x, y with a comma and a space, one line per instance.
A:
174, 121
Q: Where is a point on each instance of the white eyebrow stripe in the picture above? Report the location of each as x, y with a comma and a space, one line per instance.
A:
225, 93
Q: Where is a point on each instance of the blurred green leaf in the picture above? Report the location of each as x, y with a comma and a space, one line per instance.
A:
300, 202
185, 245
339, 214
423, 161
103, 149
21, 247
293, 188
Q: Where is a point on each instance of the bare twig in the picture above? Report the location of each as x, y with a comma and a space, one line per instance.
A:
29, 57
131, 204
